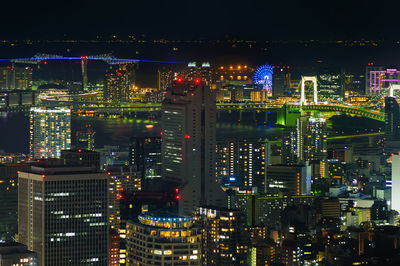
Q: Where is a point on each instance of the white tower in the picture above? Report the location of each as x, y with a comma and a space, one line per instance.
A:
313, 79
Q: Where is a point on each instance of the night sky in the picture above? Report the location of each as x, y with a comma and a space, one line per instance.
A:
212, 19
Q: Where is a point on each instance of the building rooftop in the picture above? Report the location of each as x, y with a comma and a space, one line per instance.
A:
61, 170
165, 220
7, 247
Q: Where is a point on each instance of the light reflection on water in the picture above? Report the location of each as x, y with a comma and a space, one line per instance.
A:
14, 131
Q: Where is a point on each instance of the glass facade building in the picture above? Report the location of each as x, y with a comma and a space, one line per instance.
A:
63, 215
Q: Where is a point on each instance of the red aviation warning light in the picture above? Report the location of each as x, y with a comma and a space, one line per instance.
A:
197, 81
179, 80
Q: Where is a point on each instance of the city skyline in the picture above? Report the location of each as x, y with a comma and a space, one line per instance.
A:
218, 133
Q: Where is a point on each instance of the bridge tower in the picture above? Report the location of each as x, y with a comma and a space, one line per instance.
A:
313, 79
84, 72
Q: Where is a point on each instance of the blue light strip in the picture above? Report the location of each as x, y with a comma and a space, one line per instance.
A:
90, 58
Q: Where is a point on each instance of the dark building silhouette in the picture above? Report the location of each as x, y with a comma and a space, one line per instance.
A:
392, 119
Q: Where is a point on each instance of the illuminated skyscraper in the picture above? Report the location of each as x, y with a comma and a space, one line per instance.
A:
311, 139
165, 78
63, 215
243, 163
289, 147
50, 132
16, 78
119, 83
395, 199
392, 119
188, 144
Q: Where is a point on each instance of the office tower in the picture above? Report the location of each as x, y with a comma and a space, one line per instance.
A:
63, 215
120, 80
225, 238
13, 254
9, 199
243, 163
85, 138
188, 144
289, 147
281, 81
392, 119
330, 83
163, 239
50, 132
145, 155
289, 180
15, 78
81, 157
395, 201
311, 139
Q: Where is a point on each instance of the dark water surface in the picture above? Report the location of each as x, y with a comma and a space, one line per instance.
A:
14, 130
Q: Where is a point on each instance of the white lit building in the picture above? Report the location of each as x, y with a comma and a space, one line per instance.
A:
50, 132
395, 202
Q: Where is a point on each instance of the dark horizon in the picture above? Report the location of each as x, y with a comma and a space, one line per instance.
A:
285, 20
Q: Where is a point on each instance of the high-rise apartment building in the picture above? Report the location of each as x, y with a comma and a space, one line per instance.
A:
50, 132
311, 139
163, 239
63, 215
15, 78
225, 238
289, 147
392, 119
243, 163
119, 82
188, 144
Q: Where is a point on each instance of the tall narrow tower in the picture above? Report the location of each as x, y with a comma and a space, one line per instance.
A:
188, 144
392, 119
84, 72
